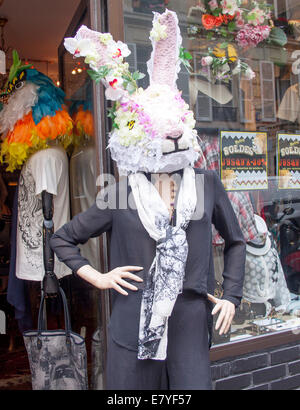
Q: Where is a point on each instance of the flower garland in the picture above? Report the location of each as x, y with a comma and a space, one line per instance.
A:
240, 24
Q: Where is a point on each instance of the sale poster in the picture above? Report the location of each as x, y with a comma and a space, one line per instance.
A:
288, 161
244, 160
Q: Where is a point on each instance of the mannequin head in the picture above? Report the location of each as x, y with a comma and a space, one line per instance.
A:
32, 115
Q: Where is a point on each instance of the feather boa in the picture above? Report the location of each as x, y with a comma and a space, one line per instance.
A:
27, 138
20, 104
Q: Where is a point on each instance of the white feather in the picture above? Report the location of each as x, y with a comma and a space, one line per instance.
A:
19, 105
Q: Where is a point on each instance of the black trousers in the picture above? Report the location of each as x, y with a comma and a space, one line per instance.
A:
187, 365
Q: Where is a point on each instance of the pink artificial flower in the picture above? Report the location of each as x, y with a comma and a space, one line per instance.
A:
250, 36
259, 16
239, 22
229, 7
213, 4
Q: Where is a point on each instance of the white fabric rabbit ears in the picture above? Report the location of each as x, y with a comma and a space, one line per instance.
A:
106, 56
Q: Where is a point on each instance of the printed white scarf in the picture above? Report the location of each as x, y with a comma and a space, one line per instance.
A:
165, 278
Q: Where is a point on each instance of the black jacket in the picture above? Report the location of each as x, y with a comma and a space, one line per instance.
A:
130, 244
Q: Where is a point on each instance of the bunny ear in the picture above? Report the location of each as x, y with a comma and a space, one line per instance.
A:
106, 60
164, 64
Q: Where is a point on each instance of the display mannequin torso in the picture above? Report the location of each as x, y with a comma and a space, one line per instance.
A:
45, 170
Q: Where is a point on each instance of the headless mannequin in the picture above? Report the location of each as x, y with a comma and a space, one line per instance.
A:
115, 278
46, 170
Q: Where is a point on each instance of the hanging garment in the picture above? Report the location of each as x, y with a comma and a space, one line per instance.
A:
17, 291
165, 279
289, 108
264, 279
45, 170
240, 201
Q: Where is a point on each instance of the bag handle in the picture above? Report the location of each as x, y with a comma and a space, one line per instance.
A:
41, 326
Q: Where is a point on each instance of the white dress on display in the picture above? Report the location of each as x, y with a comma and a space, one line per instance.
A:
46, 170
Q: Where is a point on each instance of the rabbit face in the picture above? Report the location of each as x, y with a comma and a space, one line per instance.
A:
153, 129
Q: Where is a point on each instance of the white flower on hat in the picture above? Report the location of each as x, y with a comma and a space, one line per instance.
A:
105, 38
113, 91
158, 32
119, 50
80, 47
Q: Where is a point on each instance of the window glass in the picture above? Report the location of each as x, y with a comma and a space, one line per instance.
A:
243, 86
82, 171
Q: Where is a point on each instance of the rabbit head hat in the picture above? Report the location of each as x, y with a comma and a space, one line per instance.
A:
153, 128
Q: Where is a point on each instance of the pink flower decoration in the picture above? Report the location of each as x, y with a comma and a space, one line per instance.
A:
213, 4
250, 36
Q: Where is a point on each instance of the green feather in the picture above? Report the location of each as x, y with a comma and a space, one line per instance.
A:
16, 67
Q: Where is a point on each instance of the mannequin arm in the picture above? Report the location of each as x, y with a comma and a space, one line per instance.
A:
50, 281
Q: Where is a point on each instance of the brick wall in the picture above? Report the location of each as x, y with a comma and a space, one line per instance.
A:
273, 369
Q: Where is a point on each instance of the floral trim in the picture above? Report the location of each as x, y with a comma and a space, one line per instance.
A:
227, 17
106, 60
144, 122
158, 32
241, 24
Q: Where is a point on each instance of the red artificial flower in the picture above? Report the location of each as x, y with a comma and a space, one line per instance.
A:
219, 20
208, 21
227, 18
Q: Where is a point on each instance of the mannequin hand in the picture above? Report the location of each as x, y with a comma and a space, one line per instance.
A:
227, 311
112, 279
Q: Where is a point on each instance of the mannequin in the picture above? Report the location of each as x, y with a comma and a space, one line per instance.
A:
36, 128
161, 271
50, 282
289, 108
264, 277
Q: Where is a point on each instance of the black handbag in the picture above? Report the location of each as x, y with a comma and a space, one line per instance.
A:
57, 358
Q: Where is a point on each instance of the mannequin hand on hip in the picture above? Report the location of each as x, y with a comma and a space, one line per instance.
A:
227, 311
111, 280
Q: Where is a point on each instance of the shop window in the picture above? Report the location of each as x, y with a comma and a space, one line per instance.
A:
261, 107
132, 59
247, 111
267, 91
78, 87
145, 6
